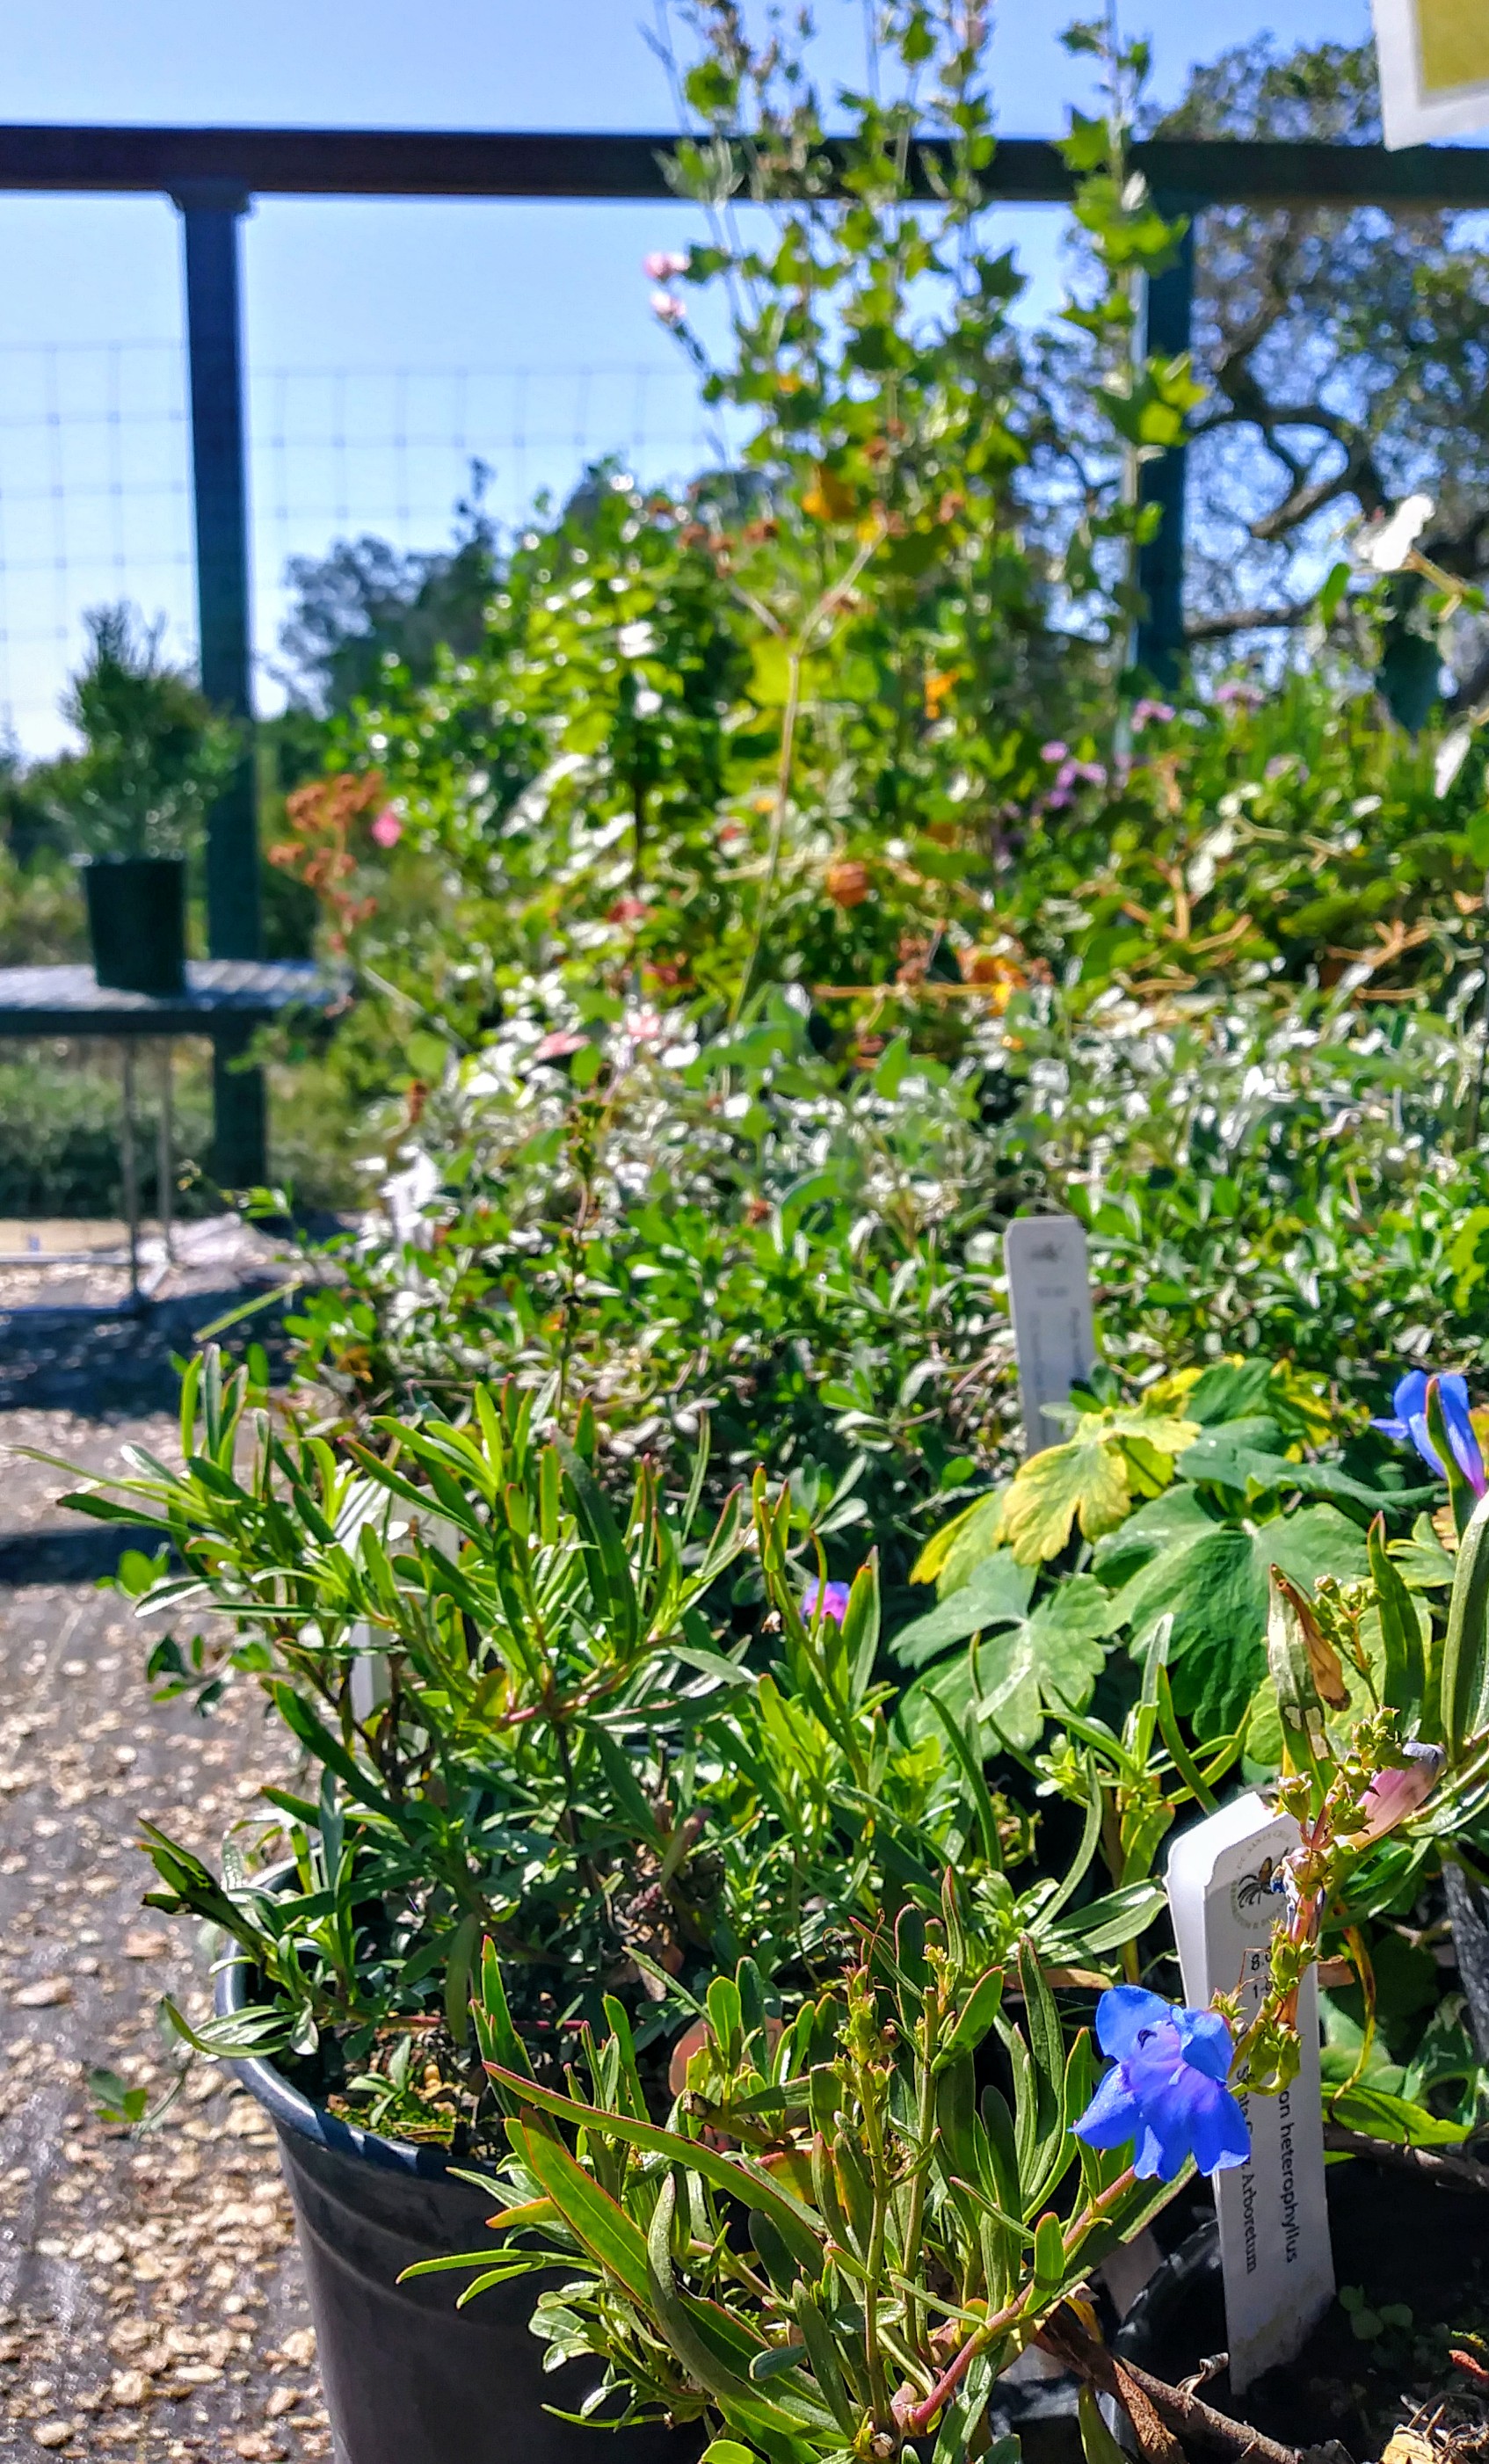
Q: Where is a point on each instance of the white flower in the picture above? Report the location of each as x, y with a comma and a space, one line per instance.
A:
648, 703
407, 1196
1452, 753
1388, 548
636, 641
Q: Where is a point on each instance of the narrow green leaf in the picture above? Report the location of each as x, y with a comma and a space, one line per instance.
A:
736, 2175
975, 2016
1401, 1632
501, 2047
610, 1566
595, 2219
1464, 1706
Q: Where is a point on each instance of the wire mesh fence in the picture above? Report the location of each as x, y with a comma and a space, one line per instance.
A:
95, 480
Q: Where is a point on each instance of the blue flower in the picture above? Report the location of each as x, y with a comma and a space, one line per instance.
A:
834, 1598
1167, 2090
1410, 1422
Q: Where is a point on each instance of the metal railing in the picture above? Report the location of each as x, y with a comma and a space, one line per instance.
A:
214, 174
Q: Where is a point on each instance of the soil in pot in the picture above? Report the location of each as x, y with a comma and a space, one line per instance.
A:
1413, 2265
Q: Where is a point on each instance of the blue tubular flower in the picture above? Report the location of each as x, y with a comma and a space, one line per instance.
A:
834, 1598
1410, 1422
1167, 2090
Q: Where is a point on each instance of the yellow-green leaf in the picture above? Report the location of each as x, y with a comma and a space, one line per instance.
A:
1092, 1477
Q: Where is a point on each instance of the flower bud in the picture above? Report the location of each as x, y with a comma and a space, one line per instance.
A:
1394, 1796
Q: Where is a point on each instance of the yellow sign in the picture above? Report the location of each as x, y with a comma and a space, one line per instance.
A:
1433, 69
1455, 40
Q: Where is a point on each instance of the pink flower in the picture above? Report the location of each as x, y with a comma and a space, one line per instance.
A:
1238, 695
388, 829
668, 308
1079, 774
558, 1047
1159, 712
664, 264
627, 910
1054, 751
1394, 1796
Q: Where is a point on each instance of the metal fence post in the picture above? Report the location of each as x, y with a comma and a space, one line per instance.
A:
212, 211
1160, 565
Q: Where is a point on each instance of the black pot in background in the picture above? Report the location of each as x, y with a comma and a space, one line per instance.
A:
1408, 2240
409, 2379
136, 921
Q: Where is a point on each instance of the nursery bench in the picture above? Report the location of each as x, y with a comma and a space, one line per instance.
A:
224, 1000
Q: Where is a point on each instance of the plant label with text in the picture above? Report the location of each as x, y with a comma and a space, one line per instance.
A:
1275, 2249
1434, 68
1049, 1299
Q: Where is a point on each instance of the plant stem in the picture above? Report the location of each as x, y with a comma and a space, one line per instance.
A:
784, 770
796, 661
878, 2385
1448, 2166
925, 2125
1175, 2409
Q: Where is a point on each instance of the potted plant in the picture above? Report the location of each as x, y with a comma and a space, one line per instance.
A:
136, 797
534, 1720
854, 2222
859, 2217
529, 1721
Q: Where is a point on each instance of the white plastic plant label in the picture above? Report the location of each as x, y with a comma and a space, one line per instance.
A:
1434, 68
1275, 2250
372, 1675
1049, 1299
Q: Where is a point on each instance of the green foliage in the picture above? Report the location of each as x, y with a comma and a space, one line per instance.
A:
60, 1136
908, 2239
153, 756
528, 1719
662, 1225
1179, 1584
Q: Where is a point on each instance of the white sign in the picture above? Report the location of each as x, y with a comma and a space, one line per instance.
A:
1434, 68
1049, 1298
1275, 2252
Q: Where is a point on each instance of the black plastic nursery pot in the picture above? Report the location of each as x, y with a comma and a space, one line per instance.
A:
136, 921
1401, 2243
409, 2379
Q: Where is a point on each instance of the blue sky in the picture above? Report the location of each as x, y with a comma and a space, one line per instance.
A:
455, 327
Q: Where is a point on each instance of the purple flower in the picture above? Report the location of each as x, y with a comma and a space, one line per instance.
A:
834, 1598
1070, 775
1054, 751
1167, 2090
1239, 694
1410, 1422
1159, 712
1394, 1796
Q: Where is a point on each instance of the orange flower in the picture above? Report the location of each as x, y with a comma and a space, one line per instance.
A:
848, 883
319, 848
990, 971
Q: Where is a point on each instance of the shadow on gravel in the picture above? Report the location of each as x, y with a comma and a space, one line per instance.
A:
100, 1362
87, 1556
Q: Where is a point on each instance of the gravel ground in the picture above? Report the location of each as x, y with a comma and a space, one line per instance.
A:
151, 2303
